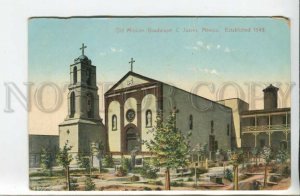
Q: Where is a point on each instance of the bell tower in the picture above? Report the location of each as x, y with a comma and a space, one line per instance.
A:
82, 127
83, 99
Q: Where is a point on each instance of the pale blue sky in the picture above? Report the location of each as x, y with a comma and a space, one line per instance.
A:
176, 57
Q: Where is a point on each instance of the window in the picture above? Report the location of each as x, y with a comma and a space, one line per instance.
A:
228, 129
90, 105
212, 127
148, 118
114, 122
88, 77
72, 105
191, 122
75, 75
284, 120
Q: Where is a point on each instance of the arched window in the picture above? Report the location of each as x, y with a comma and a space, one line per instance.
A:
148, 116
72, 104
75, 75
212, 127
228, 130
90, 105
191, 122
88, 77
114, 123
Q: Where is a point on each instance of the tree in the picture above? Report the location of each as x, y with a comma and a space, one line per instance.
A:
47, 160
236, 158
169, 146
64, 159
255, 152
84, 162
89, 184
267, 156
282, 156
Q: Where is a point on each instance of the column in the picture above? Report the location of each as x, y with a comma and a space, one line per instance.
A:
139, 120
269, 121
122, 138
255, 134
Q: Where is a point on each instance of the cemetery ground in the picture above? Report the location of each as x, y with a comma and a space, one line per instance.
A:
216, 177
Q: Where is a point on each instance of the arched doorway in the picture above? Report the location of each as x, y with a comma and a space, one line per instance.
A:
132, 139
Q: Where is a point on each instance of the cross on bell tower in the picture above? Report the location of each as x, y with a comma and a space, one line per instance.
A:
131, 64
82, 48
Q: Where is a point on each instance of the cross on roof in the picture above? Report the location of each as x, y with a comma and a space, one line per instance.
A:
131, 64
82, 48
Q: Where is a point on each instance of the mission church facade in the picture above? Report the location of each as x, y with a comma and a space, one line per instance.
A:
131, 107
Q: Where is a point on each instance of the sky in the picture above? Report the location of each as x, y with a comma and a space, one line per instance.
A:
186, 52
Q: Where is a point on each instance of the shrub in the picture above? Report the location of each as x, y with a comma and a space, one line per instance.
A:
121, 172
148, 172
89, 184
158, 182
274, 179
158, 189
73, 184
176, 184
199, 171
274, 169
286, 171
104, 170
84, 162
134, 178
126, 164
190, 179
108, 161
228, 175
256, 185
147, 189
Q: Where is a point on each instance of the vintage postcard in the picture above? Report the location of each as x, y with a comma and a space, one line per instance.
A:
160, 103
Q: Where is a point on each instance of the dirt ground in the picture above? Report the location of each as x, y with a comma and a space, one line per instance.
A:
109, 182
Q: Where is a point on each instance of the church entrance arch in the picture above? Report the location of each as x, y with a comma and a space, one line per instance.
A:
131, 138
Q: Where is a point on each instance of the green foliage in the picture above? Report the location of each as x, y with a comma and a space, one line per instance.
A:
255, 151
274, 178
147, 189
176, 184
158, 189
201, 150
286, 171
228, 175
108, 161
73, 184
157, 182
282, 156
84, 162
126, 164
89, 184
237, 157
134, 178
47, 161
121, 172
63, 157
266, 154
199, 171
170, 146
147, 171
190, 179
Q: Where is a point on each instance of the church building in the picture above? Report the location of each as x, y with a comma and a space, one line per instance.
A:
132, 104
